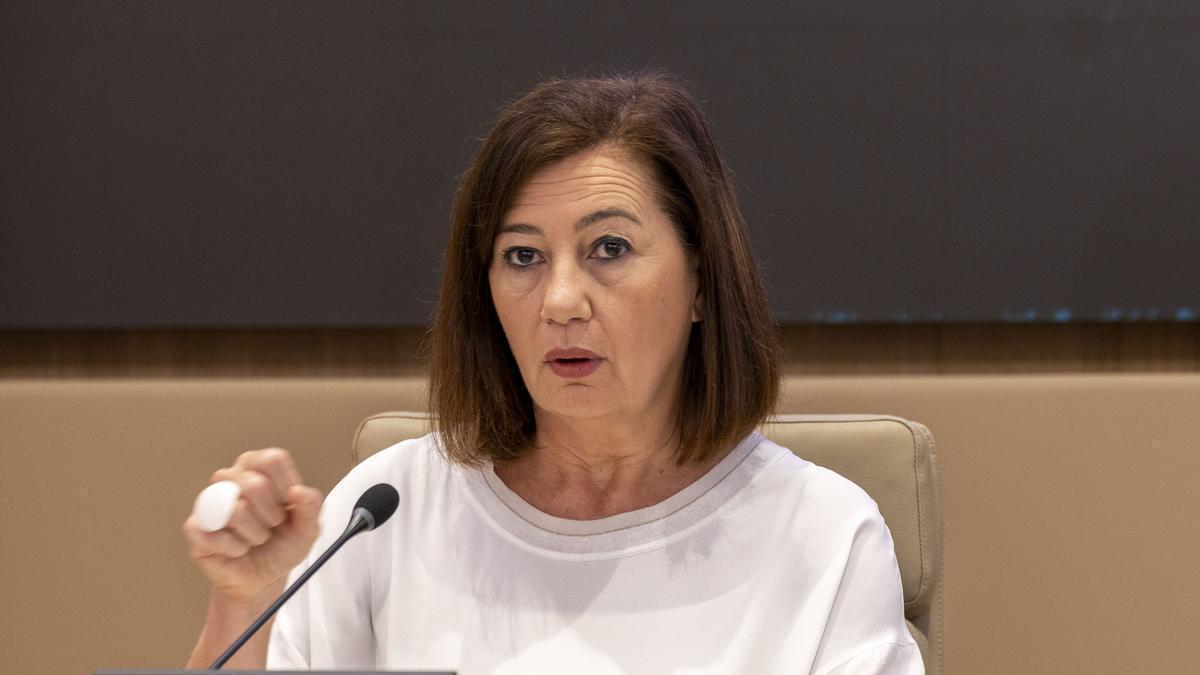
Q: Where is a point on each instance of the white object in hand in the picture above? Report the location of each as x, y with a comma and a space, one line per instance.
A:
214, 505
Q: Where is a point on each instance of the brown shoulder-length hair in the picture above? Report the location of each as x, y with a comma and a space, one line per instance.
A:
479, 403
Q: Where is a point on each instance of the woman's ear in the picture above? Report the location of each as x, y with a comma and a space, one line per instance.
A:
698, 307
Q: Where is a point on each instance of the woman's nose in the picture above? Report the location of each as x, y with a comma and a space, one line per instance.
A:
566, 295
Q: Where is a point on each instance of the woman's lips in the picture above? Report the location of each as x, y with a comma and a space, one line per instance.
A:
573, 362
574, 368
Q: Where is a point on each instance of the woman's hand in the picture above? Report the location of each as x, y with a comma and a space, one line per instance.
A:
272, 528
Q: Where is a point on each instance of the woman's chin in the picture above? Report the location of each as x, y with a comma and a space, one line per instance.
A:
577, 401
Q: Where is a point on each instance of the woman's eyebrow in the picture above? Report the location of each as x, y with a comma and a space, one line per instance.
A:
604, 214
582, 224
520, 228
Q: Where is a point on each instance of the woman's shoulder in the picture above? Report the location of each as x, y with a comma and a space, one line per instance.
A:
823, 515
411, 466
816, 487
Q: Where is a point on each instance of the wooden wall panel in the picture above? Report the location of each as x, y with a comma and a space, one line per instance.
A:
819, 349
993, 348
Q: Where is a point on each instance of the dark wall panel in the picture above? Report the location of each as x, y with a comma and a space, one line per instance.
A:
272, 164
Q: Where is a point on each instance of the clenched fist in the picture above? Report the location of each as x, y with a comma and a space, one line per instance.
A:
271, 529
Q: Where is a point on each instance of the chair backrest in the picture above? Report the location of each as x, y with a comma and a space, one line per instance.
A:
891, 458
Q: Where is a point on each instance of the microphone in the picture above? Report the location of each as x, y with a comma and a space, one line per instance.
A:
371, 510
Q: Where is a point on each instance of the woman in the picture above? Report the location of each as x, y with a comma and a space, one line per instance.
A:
595, 497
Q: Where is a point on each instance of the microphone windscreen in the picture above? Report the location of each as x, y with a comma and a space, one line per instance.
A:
380, 500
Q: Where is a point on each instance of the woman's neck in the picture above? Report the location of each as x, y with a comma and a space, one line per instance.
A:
584, 470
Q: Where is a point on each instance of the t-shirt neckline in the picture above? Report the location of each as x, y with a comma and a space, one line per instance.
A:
625, 532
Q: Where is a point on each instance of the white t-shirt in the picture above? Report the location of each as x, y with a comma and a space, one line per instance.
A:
767, 564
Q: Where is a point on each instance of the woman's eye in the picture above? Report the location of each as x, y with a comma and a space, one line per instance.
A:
611, 248
521, 257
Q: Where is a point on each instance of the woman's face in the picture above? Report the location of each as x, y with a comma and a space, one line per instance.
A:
594, 290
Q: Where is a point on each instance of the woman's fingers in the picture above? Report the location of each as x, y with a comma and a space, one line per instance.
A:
273, 524
271, 495
203, 544
248, 526
258, 494
276, 464
306, 507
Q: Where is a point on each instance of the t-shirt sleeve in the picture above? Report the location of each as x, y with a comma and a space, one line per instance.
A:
866, 633
327, 623
289, 645
288, 637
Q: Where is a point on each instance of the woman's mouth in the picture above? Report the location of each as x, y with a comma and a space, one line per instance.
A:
572, 363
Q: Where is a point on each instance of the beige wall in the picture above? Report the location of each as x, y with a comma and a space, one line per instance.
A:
1070, 508
1069, 498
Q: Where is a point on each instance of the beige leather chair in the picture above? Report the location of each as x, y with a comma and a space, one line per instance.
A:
891, 458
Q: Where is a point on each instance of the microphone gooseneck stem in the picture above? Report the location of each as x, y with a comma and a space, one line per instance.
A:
357, 524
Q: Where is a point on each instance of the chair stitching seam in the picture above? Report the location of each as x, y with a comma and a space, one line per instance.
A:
921, 514
937, 600
379, 416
